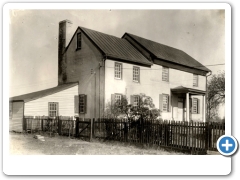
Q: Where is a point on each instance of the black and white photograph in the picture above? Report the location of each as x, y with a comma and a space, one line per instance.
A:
116, 81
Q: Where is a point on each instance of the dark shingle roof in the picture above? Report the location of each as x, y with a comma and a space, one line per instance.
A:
114, 47
39, 94
168, 53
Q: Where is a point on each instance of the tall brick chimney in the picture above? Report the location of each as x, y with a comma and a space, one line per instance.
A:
63, 39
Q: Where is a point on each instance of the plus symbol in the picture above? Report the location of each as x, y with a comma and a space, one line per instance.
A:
227, 145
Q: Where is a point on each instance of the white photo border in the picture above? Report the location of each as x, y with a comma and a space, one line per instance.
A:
106, 165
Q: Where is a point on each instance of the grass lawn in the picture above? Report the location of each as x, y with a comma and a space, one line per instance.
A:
61, 145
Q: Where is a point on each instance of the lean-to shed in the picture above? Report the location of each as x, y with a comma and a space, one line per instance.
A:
57, 101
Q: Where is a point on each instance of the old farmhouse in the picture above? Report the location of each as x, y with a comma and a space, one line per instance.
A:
95, 69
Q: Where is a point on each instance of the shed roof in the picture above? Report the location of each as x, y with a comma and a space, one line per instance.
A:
39, 94
168, 53
182, 89
114, 47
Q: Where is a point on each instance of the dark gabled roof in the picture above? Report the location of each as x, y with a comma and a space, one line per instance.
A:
39, 94
182, 89
114, 47
168, 53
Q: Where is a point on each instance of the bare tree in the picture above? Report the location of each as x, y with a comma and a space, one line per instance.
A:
216, 94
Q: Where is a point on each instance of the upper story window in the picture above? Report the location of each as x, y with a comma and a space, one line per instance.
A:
118, 71
195, 80
82, 103
165, 74
136, 74
53, 109
79, 40
165, 102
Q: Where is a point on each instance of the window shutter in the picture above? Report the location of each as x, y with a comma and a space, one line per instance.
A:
85, 104
121, 71
76, 104
131, 99
48, 109
139, 75
198, 106
169, 103
57, 104
160, 102
123, 97
190, 105
112, 100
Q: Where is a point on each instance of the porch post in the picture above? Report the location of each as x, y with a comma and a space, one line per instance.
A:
204, 108
187, 107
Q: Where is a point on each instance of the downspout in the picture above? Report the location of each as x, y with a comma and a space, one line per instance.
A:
207, 95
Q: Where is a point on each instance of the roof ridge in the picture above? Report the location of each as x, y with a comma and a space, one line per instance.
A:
156, 42
99, 32
167, 53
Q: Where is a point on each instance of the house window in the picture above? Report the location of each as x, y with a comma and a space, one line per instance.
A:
195, 80
82, 103
136, 101
195, 106
118, 98
53, 109
136, 74
165, 74
165, 102
118, 71
79, 40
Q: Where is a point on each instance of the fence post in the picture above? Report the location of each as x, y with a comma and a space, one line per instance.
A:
141, 129
206, 135
91, 129
32, 124
24, 124
77, 126
41, 123
73, 127
59, 126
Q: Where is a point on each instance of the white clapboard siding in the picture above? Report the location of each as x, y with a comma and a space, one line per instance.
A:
65, 99
16, 122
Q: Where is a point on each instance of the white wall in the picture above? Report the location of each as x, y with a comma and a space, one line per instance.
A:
65, 98
150, 82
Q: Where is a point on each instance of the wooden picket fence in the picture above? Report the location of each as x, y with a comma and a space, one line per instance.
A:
191, 137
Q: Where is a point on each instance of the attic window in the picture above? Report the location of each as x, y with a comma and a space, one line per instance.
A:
165, 74
82, 103
79, 40
195, 80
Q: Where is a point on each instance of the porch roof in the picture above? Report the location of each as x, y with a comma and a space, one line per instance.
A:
182, 89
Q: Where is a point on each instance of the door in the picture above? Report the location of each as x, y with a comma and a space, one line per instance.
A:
16, 122
180, 111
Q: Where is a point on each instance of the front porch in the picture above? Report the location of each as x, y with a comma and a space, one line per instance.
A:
188, 104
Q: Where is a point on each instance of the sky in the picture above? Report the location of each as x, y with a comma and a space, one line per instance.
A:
33, 36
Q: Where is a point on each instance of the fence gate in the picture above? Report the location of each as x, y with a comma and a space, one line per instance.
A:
84, 128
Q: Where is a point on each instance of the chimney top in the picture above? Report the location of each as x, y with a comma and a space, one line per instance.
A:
66, 20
